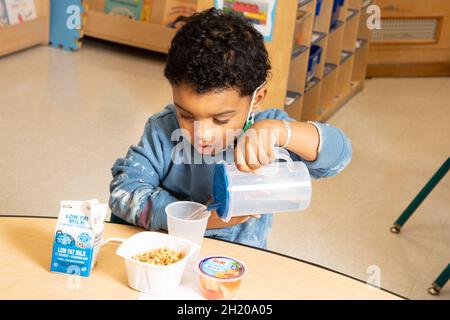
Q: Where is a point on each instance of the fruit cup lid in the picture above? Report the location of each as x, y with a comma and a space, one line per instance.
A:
221, 268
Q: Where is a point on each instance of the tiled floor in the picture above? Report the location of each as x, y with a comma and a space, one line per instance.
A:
401, 135
66, 116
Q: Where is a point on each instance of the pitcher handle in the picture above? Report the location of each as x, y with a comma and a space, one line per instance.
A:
282, 154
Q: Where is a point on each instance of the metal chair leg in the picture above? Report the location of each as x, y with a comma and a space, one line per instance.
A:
440, 282
398, 224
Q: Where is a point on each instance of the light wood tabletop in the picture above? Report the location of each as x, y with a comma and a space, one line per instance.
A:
25, 255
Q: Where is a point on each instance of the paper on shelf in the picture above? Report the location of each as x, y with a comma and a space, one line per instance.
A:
20, 10
3, 15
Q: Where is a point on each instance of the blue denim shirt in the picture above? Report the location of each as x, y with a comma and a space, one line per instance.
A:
146, 180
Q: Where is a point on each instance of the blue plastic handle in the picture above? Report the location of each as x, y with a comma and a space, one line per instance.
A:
213, 206
318, 5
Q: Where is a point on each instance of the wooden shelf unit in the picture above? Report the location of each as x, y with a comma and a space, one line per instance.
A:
29, 33
126, 31
361, 58
341, 71
299, 59
331, 87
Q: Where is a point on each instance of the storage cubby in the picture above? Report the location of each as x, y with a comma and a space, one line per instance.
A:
345, 73
311, 100
329, 84
341, 32
361, 55
297, 76
351, 29
362, 46
293, 103
29, 33
303, 26
363, 31
323, 19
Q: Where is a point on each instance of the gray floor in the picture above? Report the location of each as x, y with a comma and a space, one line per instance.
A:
66, 116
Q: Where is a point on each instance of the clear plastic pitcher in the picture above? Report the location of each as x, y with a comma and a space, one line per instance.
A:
280, 187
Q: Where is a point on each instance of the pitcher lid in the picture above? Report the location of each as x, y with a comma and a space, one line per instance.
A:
221, 193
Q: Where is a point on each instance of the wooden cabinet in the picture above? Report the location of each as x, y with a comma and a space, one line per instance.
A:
414, 39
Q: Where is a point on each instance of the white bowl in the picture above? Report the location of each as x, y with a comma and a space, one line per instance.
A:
149, 278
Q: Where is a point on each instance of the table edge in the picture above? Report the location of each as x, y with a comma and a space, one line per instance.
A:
247, 246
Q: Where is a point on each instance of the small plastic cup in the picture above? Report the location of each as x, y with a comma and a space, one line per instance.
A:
220, 277
178, 224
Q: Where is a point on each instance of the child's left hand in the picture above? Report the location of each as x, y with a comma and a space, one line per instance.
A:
214, 222
255, 148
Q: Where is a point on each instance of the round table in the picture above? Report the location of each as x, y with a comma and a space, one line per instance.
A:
26, 248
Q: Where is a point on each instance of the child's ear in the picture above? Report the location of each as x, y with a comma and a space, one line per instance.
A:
259, 99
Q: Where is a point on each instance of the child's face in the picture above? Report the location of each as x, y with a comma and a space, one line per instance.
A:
214, 119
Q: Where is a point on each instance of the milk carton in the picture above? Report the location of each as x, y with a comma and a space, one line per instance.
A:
78, 236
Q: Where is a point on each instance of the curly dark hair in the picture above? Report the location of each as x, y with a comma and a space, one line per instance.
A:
216, 51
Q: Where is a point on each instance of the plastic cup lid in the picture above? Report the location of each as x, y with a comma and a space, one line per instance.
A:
221, 268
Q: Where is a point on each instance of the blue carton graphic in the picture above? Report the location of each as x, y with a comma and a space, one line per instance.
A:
78, 237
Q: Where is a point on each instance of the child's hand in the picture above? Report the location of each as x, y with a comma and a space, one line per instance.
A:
214, 222
255, 148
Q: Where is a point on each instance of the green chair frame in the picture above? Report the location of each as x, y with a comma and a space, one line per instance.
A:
444, 276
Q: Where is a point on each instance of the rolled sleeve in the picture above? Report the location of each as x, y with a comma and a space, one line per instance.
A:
158, 213
135, 192
334, 153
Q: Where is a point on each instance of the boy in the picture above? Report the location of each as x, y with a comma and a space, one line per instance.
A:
217, 67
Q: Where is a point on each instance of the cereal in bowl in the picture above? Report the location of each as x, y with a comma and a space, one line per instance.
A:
161, 256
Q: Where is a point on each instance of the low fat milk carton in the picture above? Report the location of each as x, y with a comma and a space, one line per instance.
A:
78, 236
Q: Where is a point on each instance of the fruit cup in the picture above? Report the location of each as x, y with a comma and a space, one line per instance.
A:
220, 277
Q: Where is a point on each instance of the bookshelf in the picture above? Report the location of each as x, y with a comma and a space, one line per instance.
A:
29, 33
341, 71
135, 33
